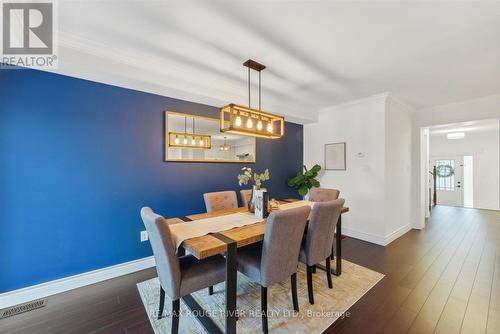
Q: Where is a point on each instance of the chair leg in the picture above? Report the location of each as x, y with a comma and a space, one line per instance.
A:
176, 305
162, 302
295, 301
331, 255
211, 290
263, 307
314, 269
310, 284
328, 273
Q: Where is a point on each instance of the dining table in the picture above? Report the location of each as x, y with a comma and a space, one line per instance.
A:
227, 242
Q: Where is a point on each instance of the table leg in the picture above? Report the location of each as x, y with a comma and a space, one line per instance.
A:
201, 315
231, 282
338, 248
181, 251
231, 273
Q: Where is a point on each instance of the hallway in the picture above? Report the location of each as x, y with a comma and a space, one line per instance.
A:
444, 279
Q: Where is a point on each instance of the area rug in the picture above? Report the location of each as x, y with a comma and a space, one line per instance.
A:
330, 304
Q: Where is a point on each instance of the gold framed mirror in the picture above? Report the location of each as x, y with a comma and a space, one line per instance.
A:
193, 138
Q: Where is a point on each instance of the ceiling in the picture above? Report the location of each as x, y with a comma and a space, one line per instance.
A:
317, 53
466, 127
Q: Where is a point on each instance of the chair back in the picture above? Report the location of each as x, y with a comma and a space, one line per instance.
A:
167, 262
321, 230
323, 194
281, 246
220, 200
245, 196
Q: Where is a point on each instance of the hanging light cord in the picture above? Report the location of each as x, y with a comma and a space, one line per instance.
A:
259, 93
248, 87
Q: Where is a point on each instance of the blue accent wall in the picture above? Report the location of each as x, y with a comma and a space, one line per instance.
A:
78, 159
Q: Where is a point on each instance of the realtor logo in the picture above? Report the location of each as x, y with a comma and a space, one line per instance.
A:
28, 31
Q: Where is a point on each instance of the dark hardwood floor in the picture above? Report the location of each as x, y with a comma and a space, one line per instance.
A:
443, 279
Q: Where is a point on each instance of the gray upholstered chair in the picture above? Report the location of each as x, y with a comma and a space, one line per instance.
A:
220, 200
323, 194
317, 246
179, 276
277, 257
245, 196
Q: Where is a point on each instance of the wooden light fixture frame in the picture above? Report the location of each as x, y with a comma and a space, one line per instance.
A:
230, 112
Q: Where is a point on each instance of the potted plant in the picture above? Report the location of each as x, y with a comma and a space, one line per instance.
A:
306, 180
256, 179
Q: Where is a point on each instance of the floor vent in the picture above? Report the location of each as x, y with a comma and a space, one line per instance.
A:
21, 308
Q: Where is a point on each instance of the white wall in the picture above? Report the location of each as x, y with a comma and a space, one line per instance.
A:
365, 186
477, 109
485, 149
398, 159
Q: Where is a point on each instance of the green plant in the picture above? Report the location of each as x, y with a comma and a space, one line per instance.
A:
306, 180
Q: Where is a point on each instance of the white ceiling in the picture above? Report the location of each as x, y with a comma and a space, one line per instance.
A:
318, 53
467, 127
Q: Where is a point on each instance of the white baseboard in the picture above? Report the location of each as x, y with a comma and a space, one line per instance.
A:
43, 290
377, 239
373, 238
396, 234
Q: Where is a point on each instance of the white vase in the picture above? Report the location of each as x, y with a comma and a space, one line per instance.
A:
306, 196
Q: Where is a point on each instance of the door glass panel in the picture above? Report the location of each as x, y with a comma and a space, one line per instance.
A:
445, 175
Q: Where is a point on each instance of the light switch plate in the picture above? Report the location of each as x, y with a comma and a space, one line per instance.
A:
144, 236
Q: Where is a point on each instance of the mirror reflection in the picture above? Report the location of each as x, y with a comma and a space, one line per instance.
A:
197, 138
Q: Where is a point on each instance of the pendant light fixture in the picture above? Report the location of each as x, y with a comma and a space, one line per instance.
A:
192, 140
251, 122
225, 147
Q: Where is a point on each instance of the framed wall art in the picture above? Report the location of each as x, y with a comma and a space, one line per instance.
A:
335, 156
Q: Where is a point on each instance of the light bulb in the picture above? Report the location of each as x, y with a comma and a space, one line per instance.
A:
177, 140
185, 141
193, 142
269, 127
201, 142
259, 125
249, 123
237, 121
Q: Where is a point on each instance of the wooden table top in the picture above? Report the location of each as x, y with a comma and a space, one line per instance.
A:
208, 245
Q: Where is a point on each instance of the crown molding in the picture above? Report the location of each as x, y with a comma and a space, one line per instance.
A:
391, 98
380, 96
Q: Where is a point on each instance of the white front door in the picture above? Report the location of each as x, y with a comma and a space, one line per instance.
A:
449, 183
